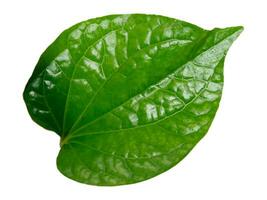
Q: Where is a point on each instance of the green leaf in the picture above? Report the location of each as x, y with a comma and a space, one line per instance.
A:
129, 95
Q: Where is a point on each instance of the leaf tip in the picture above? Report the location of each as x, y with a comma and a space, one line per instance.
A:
239, 29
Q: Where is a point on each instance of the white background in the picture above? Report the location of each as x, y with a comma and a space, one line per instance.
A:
229, 163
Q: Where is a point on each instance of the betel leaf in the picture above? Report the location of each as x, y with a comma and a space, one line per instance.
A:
129, 95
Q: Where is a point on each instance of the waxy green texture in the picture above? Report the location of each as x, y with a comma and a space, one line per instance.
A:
129, 95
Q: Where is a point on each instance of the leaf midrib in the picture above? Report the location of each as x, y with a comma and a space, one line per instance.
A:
206, 35
176, 70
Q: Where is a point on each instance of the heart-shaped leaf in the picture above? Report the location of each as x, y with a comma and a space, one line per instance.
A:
129, 95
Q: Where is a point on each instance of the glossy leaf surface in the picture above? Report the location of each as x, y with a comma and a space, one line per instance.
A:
129, 95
